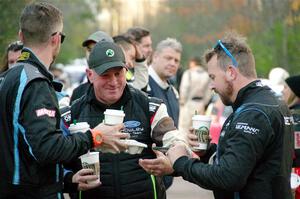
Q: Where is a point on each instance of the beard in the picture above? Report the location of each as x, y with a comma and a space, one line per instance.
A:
55, 54
228, 92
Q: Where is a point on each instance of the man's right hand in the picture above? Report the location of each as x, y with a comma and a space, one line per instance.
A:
111, 136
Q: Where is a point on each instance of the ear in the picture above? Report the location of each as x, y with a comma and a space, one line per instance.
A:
54, 39
89, 74
231, 73
21, 36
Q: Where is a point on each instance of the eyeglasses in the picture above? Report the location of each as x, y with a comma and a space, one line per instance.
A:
220, 44
62, 36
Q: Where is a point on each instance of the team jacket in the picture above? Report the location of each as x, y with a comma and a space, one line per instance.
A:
254, 155
147, 121
31, 142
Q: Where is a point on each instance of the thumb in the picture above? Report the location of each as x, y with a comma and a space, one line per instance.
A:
157, 153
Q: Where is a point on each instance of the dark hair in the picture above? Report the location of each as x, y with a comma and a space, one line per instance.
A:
137, 33
14, 46
39, 21
123, 41
197, 60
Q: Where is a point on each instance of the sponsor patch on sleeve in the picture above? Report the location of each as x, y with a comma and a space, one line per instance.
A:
44, 111
246, 128
297, 139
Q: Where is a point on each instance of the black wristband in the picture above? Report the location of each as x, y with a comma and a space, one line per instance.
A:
140, 60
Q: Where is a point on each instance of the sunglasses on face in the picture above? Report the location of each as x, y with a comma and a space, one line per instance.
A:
220, 45
62, 36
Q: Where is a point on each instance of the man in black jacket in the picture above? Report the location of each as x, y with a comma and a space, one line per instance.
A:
146, 120
254, 154
32, 146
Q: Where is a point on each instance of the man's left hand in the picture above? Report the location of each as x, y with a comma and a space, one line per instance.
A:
159, 166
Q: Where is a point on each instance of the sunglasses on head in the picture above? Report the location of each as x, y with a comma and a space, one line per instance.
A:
62, 36
221, 45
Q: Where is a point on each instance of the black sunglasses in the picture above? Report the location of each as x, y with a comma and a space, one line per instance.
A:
62, 36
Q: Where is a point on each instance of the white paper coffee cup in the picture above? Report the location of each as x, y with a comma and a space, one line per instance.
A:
201, 124
91, 161
79, 127
113, 117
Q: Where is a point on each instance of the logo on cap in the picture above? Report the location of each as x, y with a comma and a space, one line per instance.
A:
110, 52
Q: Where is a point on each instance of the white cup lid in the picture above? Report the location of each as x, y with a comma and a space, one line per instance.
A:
202, 118
114, 112
80, 125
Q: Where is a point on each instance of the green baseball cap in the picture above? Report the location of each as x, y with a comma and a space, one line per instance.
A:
96, 37
106, 55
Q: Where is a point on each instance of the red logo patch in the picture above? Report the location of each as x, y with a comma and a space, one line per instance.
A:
44, 111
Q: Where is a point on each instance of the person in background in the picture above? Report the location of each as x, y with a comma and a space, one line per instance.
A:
165, 63
146, 120
254, 153
137, 73
88, 45
291, 95
194, 93
31, 142
143, 38
12, 52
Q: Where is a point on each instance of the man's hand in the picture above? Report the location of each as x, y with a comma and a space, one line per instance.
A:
111, 136
139, 56
177, 151
84, 175
193, 142
159, 166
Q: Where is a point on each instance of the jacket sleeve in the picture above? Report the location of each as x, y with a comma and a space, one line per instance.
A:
39, 123
244, 144
141, 76
163, 130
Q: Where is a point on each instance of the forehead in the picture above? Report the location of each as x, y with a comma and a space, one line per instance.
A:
113, 70
146, 40
168, 51
213, 66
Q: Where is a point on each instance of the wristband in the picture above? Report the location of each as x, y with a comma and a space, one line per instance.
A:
97, 137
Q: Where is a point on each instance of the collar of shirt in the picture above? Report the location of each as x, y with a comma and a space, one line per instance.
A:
157, 79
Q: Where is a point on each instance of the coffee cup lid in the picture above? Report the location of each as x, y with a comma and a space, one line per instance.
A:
202, 117
80, 125
114, 112
135, 143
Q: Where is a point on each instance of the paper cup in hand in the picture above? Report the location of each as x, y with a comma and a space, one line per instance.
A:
201, 124
79, 127
134, 147
91, 161
113, 117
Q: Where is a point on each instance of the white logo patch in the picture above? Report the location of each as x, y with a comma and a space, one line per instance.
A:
246, 128
44, 111
288, 120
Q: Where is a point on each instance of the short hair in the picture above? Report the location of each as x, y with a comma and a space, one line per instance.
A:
39, 21
238, 47
169, 43
137, 33
197, 60
124, 41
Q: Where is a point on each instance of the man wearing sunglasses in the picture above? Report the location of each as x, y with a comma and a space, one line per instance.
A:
254, 153
32, 146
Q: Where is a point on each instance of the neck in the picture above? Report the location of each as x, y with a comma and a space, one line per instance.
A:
43, 54
240, 83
